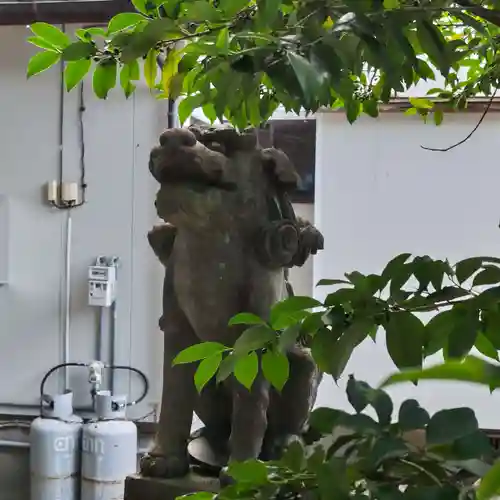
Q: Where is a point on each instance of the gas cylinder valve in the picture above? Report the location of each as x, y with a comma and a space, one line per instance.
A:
96, 369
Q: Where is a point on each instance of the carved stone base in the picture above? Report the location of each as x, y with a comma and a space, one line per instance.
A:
146, 488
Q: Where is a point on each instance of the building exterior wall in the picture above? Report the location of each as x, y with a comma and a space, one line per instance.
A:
384, 195
118, 135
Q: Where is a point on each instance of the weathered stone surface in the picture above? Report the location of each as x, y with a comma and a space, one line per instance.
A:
229, 238
146, 488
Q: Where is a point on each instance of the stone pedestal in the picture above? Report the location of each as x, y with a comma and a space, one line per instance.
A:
146, 488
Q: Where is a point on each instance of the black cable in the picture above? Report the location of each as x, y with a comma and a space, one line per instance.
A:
112, 367
81, 140
54, 369
141, 374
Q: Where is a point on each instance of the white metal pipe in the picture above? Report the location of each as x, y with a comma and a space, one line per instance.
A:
67, 299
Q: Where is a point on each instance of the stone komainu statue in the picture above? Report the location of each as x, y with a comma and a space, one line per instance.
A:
229, 237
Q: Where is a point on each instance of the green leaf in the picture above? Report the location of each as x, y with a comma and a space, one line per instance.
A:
466, 268
43, 44
421, 103
326, 282
246, 369
412, 416
489, 486
316, 459
129, 73
140, 5
370, 107
463, 334
294, 457
288, 337
437, 331
206, 370
188, 105
490, 275
198, 352
151, 68
104, 78
201, 10
324, 419
276, 368
352, 110
405, 335
250, 471
169, 72
387, 447
391, 4
78, 50
255, 337
472, 369
268, 11
246, 319
434, 45
231, 7
292, 305
486, 347
210, 112
309, 78
86, 34
491, 327
50, 34
226, 367
447, 425
222, 41
395, 266
288, 319
324, 343
383, 406
201, 495
123, 21
473, 446
438, 116
41, 62
358, 394
75, 71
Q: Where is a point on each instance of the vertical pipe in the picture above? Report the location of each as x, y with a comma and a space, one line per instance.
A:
60, 161
112, 344
60, 124
67, 298
100, 335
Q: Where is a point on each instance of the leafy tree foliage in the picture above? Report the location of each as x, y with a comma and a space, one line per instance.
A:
246, 57
465, 300
412, 456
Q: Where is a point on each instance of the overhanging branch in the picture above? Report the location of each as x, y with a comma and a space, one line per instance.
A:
492, 16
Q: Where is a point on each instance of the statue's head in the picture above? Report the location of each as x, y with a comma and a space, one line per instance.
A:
210, 175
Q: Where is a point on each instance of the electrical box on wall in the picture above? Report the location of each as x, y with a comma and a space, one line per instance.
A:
4, 240
102, 285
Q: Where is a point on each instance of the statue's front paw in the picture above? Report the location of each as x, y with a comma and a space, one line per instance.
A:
164, 466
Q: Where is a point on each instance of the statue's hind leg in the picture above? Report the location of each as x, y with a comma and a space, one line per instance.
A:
289, 410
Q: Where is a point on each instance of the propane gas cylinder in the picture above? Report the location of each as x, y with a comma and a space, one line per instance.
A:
55, 450
109, 449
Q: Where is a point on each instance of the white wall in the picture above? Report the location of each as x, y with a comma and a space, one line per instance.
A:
379, 194
119, 212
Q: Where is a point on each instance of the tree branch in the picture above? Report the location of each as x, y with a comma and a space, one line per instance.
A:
492, 16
